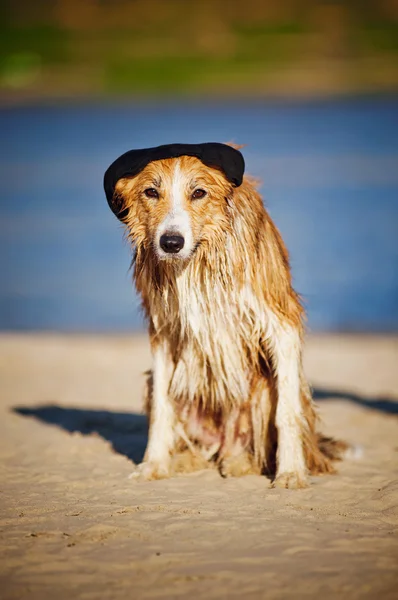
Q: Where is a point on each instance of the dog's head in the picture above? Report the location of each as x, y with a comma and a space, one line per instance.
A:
174, 198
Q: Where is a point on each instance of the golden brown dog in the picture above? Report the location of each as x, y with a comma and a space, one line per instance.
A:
225, 325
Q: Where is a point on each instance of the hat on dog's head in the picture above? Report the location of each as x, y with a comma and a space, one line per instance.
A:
212, 154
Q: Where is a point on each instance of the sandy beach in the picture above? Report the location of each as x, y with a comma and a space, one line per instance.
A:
74, 526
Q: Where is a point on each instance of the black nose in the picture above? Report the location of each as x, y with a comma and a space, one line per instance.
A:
171, 243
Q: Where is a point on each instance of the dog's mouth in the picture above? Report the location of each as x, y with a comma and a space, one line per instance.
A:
176, 257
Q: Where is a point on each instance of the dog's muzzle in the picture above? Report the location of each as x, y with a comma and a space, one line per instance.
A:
171, 243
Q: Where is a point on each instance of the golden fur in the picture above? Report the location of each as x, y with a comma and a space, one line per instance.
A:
226, 331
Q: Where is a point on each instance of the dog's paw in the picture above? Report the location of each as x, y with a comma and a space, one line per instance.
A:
290, 481
146, 471
238, 466
187, 462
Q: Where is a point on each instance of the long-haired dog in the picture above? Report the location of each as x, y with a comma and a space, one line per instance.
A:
225, 324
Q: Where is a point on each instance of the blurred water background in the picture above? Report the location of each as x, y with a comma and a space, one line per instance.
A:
310, 88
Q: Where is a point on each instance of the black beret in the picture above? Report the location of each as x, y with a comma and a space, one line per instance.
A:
212, 154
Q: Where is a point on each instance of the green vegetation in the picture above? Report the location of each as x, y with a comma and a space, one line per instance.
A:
196, 47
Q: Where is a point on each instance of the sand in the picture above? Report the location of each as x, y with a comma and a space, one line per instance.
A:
73, 526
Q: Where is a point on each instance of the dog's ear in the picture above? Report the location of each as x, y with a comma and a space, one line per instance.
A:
123, 196
115, 179
118, 206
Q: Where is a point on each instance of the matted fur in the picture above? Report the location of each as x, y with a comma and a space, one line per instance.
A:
226, 331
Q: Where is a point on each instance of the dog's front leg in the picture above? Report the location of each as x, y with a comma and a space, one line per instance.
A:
161, 438
285, 345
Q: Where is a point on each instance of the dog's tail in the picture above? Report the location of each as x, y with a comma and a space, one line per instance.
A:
320, 451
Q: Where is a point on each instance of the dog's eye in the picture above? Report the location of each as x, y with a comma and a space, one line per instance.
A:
151, 193
199, 193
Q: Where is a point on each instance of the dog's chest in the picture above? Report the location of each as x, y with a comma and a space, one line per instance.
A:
218, 332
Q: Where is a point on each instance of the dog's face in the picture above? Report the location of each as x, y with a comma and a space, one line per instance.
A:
175, 205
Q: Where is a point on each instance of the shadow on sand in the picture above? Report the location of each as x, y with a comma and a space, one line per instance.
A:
382, 404
128, 432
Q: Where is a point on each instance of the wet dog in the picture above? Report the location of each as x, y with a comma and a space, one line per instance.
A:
225, 324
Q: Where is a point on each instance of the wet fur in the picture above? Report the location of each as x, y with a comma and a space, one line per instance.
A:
220, 324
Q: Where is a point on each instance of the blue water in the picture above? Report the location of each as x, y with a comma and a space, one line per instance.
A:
330, 181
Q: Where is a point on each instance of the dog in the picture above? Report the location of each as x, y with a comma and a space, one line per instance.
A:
225, 324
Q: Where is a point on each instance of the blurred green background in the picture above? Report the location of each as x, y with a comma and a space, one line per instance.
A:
69, 48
